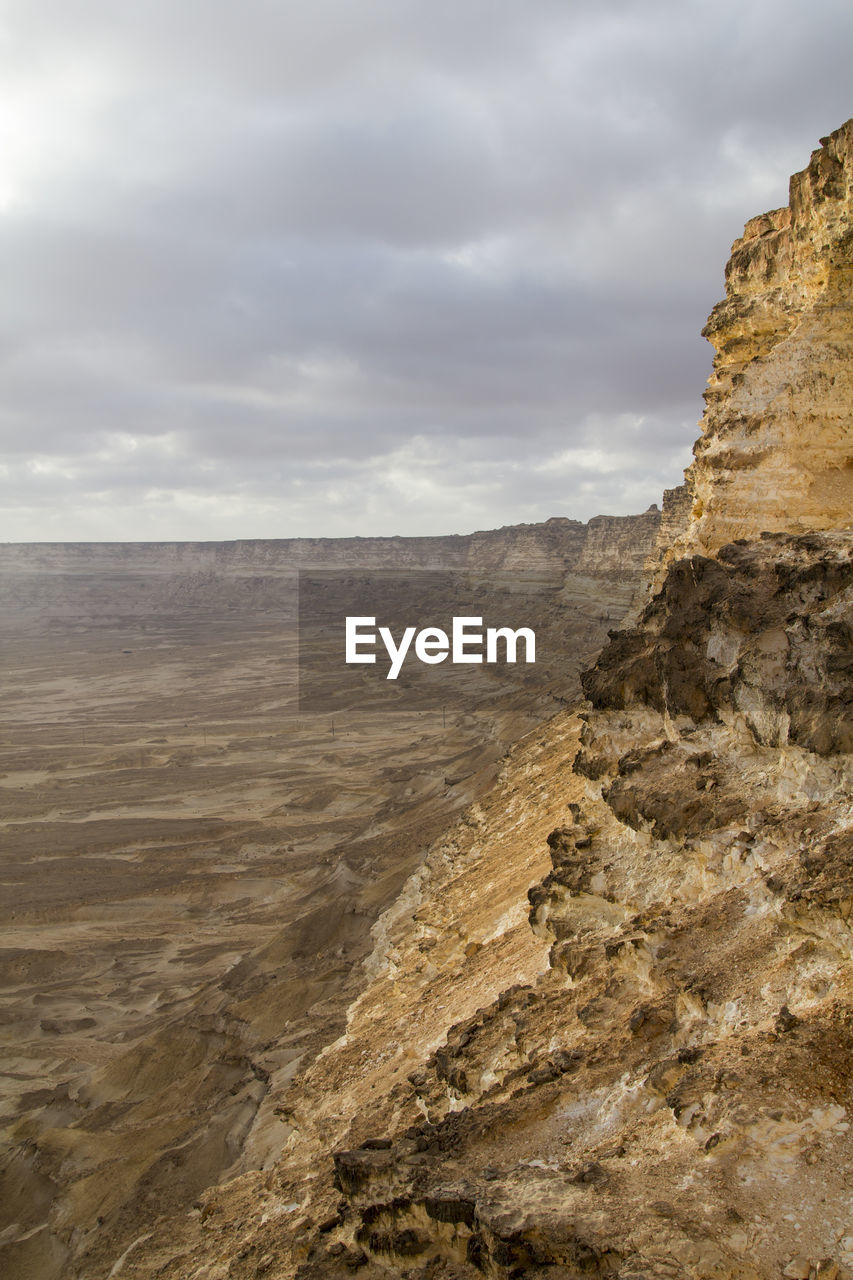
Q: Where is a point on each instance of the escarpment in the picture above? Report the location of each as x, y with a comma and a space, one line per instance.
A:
558, 540
775, 452
670, 1094
606, 1026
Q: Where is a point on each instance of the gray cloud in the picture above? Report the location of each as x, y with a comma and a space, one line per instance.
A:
389, 267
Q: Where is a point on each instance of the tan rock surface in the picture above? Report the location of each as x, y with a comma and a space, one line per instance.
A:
669, 1093
775, 451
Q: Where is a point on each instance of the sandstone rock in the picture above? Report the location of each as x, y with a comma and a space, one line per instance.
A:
775, 452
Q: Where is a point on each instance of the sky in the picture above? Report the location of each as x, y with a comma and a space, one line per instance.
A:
362, 267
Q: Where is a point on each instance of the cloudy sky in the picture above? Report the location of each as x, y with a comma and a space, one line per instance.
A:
377, 266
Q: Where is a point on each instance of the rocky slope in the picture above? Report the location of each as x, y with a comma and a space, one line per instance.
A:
775, 450
671, 1094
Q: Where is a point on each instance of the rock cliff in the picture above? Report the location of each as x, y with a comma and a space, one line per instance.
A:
43, 581
606, 1027
604, 544
775, 451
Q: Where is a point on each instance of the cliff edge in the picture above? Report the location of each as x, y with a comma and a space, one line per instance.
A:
775, 451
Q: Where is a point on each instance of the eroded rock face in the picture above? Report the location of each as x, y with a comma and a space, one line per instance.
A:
762, 632
671, 1095
775, 451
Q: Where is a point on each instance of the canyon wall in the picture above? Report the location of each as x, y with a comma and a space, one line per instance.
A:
44, 581
775, 451
604, 544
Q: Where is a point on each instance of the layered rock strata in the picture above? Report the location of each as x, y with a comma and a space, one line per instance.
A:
181, 574
775, 451
48, 584
671, 1095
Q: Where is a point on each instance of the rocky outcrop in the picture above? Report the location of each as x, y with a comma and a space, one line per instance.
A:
761, 634
616, 544
775, 452
674, 521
